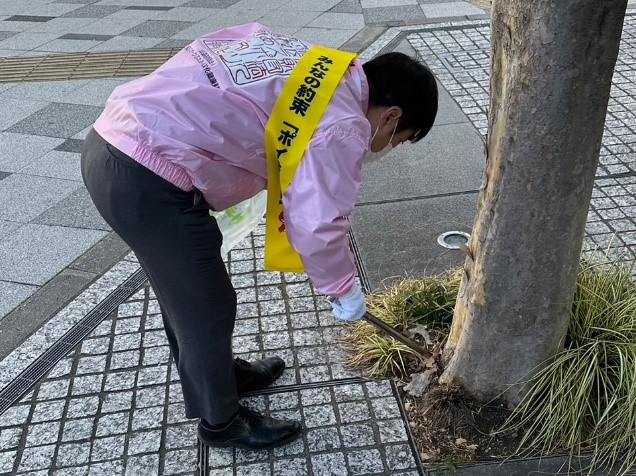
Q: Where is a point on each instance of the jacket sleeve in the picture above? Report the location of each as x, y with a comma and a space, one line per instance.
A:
324, 191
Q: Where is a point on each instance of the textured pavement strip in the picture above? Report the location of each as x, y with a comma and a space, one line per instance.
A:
114, 406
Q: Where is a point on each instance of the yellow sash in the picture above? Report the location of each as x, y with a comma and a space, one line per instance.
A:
294, 119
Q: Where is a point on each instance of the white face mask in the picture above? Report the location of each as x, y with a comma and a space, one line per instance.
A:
375, 156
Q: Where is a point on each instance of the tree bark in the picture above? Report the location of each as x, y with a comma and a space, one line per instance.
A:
551, 68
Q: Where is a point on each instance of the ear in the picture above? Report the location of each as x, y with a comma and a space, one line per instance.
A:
392, 113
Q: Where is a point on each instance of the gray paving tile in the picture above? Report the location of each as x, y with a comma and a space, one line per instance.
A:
288, 18
58, 120
14, 110
347, 6
19, 150
81, 135
205, 26
71, 145
346, 21
5, 86
449, 112
173, 43
36, 253
94, 92
5, 34
109, 26
85, 36
50, 91
157, 29
73, 454
449, 159
149, 7
75, 211
386, 3
39, 457
26, 196
63, 25
17, 25
332, 38
450, 9
393, 15
366, 462
127, 43
27, 40
7, 460
390, 248
10, 438
210, 3
13, 294
79, 429
29, 18
328, 464
56, 164
189, 14
139, 15
314, 5
67, 46
52, 9
6, 227
83, 2
93, 11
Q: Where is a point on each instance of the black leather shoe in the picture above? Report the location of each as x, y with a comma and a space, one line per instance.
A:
257, 375
250, 430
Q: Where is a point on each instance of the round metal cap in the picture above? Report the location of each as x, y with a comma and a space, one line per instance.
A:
453, 239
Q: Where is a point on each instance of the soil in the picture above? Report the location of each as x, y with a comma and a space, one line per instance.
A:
451, 430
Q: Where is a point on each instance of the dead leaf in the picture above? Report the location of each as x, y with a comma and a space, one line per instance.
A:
425, 456
407, 406
460, 441
420, 329
472, 447
419, 383
429, 362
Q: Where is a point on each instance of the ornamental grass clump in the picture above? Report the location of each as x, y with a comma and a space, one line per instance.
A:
581, 402
426, 304
584, 400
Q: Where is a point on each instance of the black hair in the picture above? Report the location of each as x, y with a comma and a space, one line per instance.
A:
396, 79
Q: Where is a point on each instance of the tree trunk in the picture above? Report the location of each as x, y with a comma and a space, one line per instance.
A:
552, 64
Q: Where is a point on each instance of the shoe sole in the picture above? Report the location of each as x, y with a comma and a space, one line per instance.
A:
282, 442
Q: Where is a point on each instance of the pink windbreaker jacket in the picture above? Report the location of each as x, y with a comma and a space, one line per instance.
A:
199, 120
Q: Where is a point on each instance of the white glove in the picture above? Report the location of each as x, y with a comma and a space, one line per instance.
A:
351, 306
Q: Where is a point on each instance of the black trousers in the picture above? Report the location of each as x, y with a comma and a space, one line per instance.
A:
178, 245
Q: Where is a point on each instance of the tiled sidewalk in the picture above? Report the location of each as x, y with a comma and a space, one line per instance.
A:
113, 404
460, 58
47, 220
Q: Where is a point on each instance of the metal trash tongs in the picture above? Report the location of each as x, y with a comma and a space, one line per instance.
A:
397, 335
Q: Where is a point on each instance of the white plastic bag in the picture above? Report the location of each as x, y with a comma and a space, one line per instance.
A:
240, 220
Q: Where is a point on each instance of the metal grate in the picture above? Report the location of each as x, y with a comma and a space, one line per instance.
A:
87, 65
38, 369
